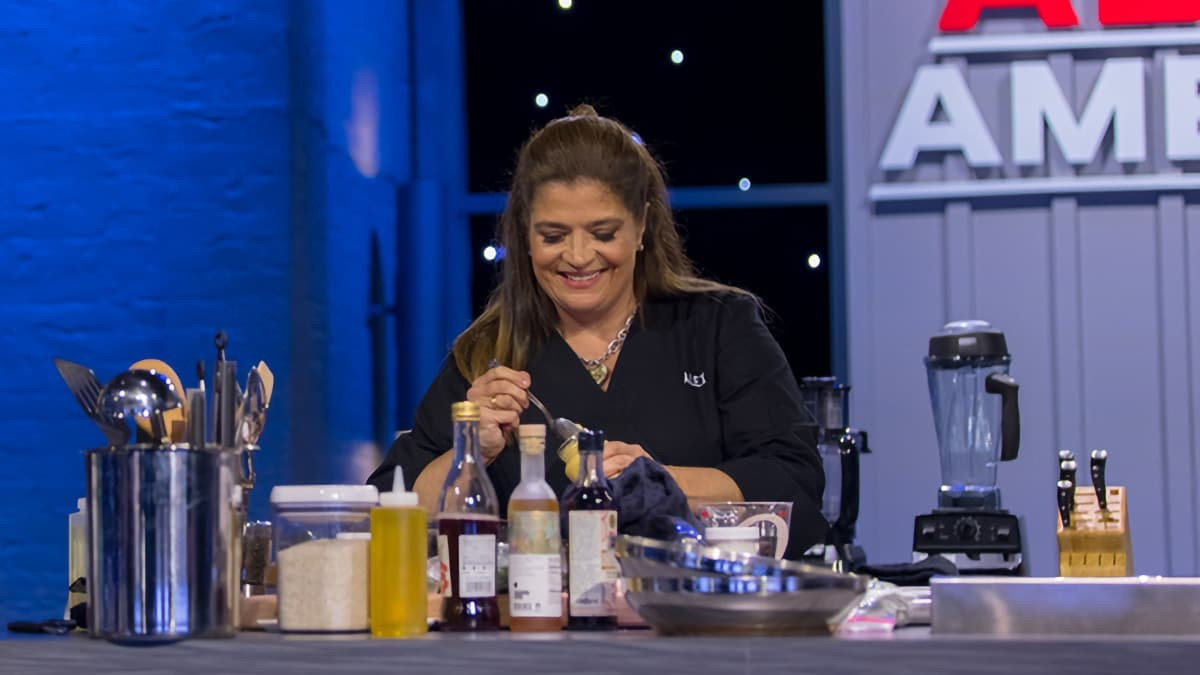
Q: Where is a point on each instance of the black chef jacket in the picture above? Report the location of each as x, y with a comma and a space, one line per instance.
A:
700, 382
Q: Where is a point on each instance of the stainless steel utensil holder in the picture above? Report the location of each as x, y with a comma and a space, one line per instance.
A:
164, 533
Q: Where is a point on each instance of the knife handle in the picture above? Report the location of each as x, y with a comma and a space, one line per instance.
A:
1099, 461
1066, 494
1066, 470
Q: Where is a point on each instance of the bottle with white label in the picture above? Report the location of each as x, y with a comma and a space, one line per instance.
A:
534, 542
468, 522
591, 533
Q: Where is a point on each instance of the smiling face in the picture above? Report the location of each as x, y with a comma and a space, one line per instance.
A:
583, 243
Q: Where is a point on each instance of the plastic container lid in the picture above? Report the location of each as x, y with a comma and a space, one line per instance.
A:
324, 495
730, 533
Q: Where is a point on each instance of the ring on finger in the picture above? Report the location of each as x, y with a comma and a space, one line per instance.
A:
492, 401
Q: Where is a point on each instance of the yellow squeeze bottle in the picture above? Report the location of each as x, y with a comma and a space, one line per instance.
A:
398, 554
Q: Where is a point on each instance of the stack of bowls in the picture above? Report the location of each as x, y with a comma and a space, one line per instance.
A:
686, 588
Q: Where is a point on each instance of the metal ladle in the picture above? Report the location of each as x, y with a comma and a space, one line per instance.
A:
138, 393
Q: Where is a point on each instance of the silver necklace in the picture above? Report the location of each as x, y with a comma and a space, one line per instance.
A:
596, 367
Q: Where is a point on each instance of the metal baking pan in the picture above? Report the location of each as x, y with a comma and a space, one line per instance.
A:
1066, 606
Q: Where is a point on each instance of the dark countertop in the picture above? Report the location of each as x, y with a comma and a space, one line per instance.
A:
911, 650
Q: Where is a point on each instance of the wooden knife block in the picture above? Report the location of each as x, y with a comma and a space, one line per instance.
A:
1097, 544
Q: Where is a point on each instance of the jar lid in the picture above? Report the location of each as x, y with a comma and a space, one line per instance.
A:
324, 495
730, 533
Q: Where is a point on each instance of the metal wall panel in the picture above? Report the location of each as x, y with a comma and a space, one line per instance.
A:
1096, 294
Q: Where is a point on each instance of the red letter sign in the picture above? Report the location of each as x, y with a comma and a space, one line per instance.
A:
1127, 12
961, 15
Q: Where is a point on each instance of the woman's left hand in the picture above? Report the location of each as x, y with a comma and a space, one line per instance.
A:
618, 456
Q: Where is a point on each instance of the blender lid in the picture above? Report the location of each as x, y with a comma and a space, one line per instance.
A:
967, 340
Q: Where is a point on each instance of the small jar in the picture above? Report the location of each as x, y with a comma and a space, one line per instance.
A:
322, 566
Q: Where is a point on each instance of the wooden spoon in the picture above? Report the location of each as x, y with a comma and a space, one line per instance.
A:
268, 380
175, 418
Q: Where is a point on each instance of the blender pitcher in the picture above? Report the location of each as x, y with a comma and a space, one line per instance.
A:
974, 411
827, 402
828, 405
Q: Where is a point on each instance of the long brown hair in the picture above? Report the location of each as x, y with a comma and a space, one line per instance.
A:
583, 145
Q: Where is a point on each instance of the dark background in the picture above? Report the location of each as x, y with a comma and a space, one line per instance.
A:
747, 101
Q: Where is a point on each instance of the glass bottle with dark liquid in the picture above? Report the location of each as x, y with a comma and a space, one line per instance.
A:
591, 534
468, 524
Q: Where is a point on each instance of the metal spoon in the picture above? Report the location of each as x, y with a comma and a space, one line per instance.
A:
138, 394
562, 426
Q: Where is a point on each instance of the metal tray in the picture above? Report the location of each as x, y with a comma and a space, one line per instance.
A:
652, 558
686, 588
723, 605
1066, 606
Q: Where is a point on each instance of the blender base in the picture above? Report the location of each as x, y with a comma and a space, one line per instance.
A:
977, 541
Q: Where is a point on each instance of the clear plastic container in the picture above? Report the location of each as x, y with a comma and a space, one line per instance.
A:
773, 520
737, 539
322, 567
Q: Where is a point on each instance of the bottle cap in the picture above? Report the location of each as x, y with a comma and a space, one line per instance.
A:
591, 440
81, 504
532, 431
464, 411
533, 438
398, 497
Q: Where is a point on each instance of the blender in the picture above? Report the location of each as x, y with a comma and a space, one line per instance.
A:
827, 402
978, 425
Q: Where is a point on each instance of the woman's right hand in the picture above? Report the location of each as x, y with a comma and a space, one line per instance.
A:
501, 396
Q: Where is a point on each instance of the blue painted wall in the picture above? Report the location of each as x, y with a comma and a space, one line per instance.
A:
145, 205
171, 169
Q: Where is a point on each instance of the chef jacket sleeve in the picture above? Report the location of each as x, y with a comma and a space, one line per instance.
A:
432, 433
767, 449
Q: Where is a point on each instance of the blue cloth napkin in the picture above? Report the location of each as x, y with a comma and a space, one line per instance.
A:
650, 503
